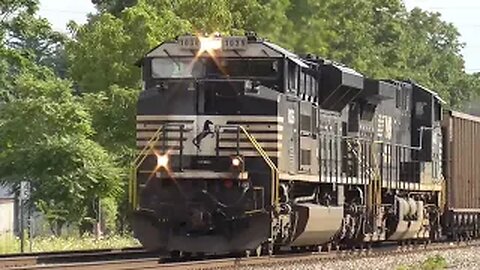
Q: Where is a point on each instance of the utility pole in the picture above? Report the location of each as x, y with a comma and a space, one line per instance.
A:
30, 227
24, 194
22, 225
98, 218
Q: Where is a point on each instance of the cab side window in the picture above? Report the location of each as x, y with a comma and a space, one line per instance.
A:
292, 77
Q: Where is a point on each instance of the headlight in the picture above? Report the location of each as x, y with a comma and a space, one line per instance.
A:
251, 87
162, 161
236, 161
210, 44
248, 85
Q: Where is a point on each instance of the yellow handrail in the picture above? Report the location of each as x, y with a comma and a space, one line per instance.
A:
155, 138
273, 168
132, 188
375, 186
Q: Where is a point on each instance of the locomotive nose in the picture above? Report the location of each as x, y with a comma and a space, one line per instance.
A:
221, 96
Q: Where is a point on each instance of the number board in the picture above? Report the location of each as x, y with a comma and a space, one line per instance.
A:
189, 42
234, 43
228, 43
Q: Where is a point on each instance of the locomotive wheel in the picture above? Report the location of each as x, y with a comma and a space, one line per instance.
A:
255, 252
270, 248
187, 255
175, 254
258, 251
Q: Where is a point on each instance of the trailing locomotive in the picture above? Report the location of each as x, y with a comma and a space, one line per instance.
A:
246, 146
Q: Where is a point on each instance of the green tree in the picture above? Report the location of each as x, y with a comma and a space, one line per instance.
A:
105, 50
47, 139
113, 6
28, 44
113, 113
379, 38
434, 57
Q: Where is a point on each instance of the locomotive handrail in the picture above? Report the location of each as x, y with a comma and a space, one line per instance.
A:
374, 187
273, 168
137, 162
376, 184
150, 146
270, 163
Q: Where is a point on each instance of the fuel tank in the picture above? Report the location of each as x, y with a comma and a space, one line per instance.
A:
316, 224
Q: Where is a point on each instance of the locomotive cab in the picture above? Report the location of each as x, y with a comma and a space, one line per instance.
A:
215, 113
426, 117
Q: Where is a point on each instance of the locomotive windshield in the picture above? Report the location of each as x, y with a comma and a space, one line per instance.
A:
176, 67
187, 67
244, 68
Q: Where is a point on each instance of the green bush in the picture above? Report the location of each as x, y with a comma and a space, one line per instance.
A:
11, 244
432, 263
109, 215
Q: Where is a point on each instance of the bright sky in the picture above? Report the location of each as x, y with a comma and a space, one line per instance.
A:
60, 12
464, 14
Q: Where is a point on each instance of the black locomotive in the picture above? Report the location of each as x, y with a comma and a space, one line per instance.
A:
246, 146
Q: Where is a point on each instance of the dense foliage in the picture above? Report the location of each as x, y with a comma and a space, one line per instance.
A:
47, 134
67, 106
11, 244
380, 38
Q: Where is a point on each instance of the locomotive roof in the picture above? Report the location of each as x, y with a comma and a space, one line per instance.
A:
260, 49
419, 86
295, 58
433, 93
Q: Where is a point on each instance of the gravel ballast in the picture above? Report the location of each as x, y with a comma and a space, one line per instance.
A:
466, 258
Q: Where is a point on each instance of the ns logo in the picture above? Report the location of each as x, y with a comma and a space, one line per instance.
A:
207, 130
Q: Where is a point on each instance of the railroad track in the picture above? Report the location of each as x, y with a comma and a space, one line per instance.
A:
115, 261
12, 261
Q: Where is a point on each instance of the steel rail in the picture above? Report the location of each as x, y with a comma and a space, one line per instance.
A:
8, 261
275, 260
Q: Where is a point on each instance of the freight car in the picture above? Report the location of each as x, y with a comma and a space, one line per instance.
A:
462, 171
245, 146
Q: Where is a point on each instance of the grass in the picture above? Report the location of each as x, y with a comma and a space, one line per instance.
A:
10, 244
432, 263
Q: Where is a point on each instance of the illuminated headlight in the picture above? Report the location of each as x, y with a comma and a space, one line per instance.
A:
162, 160
248, 85
209, 44
251, 86
236, 162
